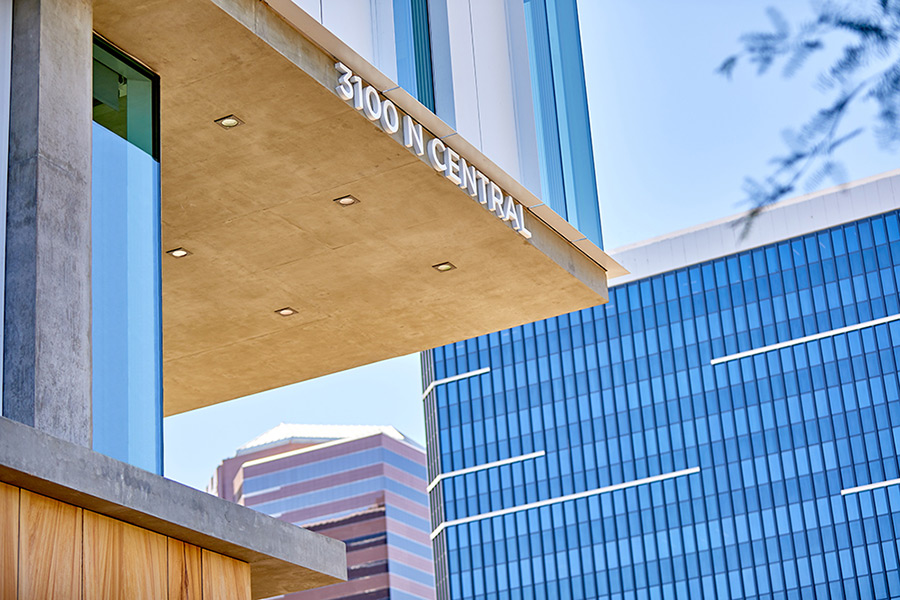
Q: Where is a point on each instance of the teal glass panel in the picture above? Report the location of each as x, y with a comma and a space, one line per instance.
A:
561, 114
413, 46
125, 269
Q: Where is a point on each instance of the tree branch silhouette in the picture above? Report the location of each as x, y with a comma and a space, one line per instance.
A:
866, 69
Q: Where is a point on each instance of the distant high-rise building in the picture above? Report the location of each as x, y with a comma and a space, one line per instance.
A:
362, 485
728, 426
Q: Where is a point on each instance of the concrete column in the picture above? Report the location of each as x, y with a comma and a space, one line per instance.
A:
6, 9
47, 316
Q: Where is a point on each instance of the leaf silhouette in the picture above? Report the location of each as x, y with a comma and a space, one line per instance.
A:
866, 37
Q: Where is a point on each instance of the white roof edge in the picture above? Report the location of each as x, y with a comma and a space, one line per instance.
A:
789, 218
265, 459
328, 444
286, 432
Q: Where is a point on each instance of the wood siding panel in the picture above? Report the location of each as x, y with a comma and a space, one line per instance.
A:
9, 540
122, 561
225, 578
184, 571
49, 548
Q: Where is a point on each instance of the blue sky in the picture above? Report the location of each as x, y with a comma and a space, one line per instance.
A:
672, 143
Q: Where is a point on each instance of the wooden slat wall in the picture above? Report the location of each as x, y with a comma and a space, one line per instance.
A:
225, 578
184, 571
9, 540
123, 561
49, 548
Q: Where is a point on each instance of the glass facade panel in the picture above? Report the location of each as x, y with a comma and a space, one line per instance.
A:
413, 43
125, 270
566, 155
629, 391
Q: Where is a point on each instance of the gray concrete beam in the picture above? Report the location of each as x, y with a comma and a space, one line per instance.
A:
47, 325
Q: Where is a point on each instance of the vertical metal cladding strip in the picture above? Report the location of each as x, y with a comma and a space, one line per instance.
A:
435, 499
442, 579
430, 409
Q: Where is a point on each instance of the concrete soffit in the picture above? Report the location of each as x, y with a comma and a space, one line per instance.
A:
255, 206
332, 45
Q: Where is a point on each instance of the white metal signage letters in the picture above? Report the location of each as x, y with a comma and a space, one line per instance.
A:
440, 156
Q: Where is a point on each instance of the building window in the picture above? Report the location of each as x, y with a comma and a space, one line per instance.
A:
125, 268
413, 40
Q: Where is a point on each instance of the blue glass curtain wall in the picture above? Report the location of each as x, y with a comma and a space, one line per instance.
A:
627, 391
566, 157
125, 270
413, 44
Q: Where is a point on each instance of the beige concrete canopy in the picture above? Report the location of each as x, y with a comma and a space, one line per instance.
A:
255, 206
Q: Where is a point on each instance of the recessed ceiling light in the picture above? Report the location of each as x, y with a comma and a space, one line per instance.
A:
286, 311
178, 252
444, 267
346, 200
229, 122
